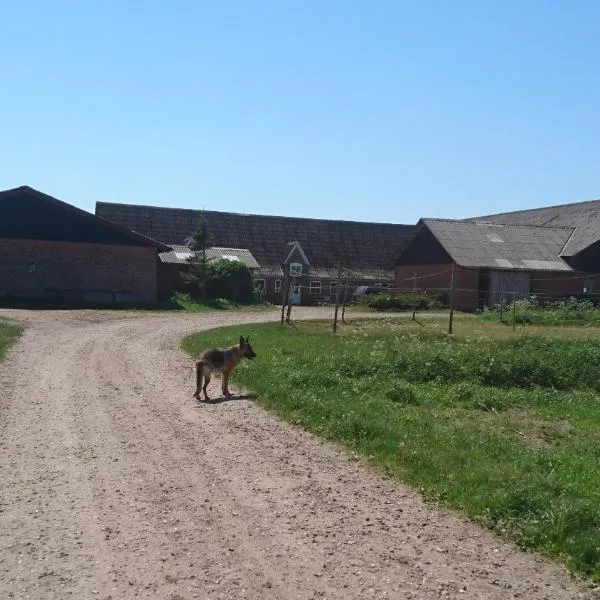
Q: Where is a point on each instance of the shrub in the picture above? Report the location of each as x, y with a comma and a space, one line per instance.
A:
404, 301
231, 280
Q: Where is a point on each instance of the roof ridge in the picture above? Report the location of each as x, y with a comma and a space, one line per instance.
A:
477, 221
241, 214
539, 208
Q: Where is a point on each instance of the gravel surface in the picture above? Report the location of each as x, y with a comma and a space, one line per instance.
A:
116, 483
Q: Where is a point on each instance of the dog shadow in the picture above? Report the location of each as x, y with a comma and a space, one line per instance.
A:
223, 399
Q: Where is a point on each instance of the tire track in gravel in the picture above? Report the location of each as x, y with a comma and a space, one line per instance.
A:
147, 494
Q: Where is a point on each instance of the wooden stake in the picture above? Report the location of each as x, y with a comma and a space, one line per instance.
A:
337, 297
451, 300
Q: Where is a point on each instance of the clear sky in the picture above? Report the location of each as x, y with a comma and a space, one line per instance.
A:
372, 110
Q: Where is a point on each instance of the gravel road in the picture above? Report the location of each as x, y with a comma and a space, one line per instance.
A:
116, 484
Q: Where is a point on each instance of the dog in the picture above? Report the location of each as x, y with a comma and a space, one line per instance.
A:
220, 360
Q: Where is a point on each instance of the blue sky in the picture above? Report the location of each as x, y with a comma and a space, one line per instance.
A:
376, 111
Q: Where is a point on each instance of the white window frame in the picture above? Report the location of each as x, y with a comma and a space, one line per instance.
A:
295, 269
278, 286
315, 288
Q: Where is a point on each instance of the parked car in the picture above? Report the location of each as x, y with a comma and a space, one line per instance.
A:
363, 290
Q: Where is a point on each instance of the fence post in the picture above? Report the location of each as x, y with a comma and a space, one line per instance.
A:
337, 296
514, 315
346, 286
451, 300
285, 296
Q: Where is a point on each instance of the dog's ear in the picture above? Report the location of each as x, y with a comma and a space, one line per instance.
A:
241, 340
247, 339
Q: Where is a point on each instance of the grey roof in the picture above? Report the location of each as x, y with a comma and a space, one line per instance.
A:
584, 217
358, 245
26, 213
179, 255
477, 244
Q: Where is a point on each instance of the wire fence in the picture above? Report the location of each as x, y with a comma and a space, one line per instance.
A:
540, 290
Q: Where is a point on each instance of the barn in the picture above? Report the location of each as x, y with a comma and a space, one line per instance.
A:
54, 252
308, 250
486, 262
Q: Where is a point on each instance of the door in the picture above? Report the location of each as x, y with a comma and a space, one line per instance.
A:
296, 296
508, 285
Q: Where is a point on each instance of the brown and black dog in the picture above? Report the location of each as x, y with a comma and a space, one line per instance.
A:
220, 360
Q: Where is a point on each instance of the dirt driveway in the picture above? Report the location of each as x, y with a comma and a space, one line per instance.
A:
116, 484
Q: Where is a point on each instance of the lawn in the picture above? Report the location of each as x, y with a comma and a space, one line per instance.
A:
502, 425
9, 334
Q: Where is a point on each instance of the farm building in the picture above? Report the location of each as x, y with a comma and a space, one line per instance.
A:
52, 251
551, 252
308, 249
174, 262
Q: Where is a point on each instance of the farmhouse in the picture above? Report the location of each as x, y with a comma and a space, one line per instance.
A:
550, 252
52, 251
310, 250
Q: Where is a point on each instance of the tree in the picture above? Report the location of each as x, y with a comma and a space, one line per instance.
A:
231, 280
196, 275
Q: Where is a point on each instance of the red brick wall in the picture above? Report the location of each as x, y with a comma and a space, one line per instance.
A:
436, 279
77, 267
557, 284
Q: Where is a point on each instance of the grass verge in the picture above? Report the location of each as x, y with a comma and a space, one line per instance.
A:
505, 428
9, 333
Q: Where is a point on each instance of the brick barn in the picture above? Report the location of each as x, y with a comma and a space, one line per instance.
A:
491, 261
308, 249
53, 251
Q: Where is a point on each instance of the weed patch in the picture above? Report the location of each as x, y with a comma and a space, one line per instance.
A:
9, 334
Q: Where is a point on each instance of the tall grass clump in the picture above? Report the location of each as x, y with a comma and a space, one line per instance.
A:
534, 311
9, 334
401, 301
505, 430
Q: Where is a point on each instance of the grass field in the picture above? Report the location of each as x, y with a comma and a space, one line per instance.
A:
9, 333
503, 426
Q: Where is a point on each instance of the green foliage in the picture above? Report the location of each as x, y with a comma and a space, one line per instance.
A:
196, 275
231, 280
404, 301
534, 311
186, 302
504, 430
9, 334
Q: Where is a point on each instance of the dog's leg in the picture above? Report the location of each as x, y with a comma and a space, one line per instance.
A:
206, 382
199, 371
225, 381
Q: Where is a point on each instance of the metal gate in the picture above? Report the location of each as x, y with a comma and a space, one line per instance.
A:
508, 285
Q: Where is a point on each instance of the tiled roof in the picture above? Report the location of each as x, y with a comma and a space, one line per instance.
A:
477, 244
26, 213
179, 255
584, 217
358, 245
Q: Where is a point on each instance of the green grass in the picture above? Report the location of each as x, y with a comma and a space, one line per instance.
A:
9, 333
502, 426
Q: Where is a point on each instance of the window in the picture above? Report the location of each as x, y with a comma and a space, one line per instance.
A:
260, 285
333, 289
315, 288
295, 269
31, 267
277, 286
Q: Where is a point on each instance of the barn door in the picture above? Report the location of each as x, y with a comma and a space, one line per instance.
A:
508, 285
